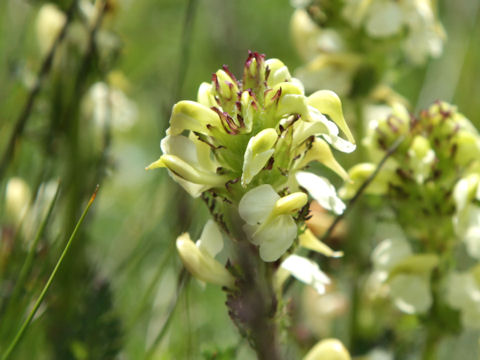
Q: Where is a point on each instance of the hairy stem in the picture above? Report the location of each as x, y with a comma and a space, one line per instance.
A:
253, 305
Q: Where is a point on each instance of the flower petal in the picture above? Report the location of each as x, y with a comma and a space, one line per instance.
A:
389, 252
384, 19
205, 96
180, 146
411, 293
190, 115
258, 152
321, 190
201, 265
257, 204
276, 238
309, 241
306, 271
328, 103
211, 239
328, 349
278, 72
320, 151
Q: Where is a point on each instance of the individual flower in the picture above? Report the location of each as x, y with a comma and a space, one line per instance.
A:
406, 274
199, 257
108, 104
307, 271
463, 294
328, 349
269, 223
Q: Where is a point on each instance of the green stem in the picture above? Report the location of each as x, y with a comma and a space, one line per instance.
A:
27, 322
430, 349
27, 265
14, 300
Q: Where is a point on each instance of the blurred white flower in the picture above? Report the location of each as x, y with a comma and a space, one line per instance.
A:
306, 271
379, 354
107, 104
463, 293
321, 190
386, 18
50, 21
467, 218
328, 349
17, 199
407, 275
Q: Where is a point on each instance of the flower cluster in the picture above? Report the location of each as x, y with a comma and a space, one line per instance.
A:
439, 147
248, 143
340, 41
435, 167
463, 293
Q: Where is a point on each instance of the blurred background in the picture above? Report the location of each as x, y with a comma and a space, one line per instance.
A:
95, 113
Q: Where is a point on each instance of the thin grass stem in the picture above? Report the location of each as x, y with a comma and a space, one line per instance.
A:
183, 277
35, 90
27, 322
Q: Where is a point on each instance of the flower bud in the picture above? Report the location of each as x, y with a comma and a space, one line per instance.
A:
290, 203
264, 140
468, 148
201, 264
309, 241
288, 98
190, 115
328, 103
226, 87
359, 174
420, 147
254, 70
328, 349
278, 72
205, 95
258, 152
186, 171
321, 152
465, 190
421, 158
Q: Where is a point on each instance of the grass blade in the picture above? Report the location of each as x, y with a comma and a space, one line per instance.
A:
27, 322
